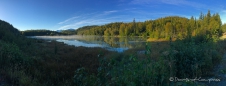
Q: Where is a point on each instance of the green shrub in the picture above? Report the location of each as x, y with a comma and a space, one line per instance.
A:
125, 70
10, 54
194, 58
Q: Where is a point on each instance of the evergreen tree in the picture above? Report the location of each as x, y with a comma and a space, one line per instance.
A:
122, 30
171, 26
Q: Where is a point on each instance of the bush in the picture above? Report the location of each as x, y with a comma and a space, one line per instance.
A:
10, 55
13, 63
195, 57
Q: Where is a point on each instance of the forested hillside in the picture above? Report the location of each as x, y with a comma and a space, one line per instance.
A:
43, 32
33, 62
162, 28
14, 53
172, 26
39, 33
7, 31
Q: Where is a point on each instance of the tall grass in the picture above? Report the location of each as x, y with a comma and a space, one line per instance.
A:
47, 66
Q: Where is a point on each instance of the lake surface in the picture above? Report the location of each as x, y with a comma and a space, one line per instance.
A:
118, 44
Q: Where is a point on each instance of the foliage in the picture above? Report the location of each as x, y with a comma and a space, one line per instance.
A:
13, 63
224, 28
171, 26
11, 55
195, 57
67, 32
43, 32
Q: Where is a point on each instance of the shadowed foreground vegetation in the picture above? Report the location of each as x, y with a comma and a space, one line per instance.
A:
31, 62
52, 65
188, 58
61, 64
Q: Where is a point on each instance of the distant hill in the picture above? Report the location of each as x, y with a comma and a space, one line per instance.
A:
71, 29
161, 28
59, 31
40, 33
65, 30
69, 32
48, 32
8, 32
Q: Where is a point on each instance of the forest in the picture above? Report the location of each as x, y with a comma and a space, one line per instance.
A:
171, 26
162, 28
39, 32
44, 32
195, 53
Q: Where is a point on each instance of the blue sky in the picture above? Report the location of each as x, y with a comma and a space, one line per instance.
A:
65, 14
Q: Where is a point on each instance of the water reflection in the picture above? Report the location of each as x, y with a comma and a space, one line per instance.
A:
118, 44
78, 43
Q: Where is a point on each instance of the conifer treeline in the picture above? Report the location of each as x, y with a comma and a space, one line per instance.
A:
167, 27
44, 32
172, 26
39, 32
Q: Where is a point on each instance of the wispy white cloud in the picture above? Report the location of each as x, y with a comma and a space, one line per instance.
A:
104, 17
178, 2
171, 2
142, 1
154, 15
85, 22
224, 11
96, 18
65, 21
73, 19
109, 12
126, 14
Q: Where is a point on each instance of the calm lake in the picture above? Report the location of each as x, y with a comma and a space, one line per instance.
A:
118, 44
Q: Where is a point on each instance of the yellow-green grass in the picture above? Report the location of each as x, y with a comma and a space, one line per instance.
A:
223, 37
